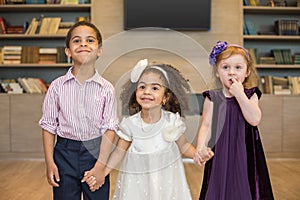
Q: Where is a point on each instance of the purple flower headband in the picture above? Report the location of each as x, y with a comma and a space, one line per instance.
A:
219, 48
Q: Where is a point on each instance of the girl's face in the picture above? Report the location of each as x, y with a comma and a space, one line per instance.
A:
83, 45
235, 67
150, 91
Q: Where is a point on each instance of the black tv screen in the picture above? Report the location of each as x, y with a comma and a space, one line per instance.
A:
172, 14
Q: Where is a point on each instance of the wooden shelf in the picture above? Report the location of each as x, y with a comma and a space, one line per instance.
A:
26, 65
35, 36
271, 10
271, 37
272, 66
44, 7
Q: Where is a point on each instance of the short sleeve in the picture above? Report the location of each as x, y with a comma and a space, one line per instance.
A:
175, 128
206, 94
251, 91
124, 130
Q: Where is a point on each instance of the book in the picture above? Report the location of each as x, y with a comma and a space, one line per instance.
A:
68, 2
54, 25
10, 86
33, 85
294, 83
35, 1
11, 54
47, 55
253, 54
31, 30
267, 84
267, 60
30, 54
3, 26
61, 55
251, 29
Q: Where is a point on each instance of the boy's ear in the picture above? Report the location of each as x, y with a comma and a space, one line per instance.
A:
67, 52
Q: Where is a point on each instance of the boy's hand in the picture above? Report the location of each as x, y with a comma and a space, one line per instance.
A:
95, 178
53, 175
89, 179
202, 155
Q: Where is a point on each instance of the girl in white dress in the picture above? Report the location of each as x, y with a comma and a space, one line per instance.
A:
152, 137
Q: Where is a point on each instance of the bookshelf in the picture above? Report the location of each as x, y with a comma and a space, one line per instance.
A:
263, 19
17, 15
279, 123
20, 134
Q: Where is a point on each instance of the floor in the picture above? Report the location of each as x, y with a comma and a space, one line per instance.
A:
25, 179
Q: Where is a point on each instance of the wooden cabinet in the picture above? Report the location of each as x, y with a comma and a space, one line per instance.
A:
280, 125
4, 123
25, 132
20, 134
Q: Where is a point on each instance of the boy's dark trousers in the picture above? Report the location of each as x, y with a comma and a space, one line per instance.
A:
73, 158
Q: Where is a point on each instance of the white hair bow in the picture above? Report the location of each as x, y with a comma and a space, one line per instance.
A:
138, 70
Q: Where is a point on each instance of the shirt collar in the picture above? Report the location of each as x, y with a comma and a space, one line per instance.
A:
96, 78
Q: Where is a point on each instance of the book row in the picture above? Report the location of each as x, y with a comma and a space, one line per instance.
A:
281, 85
271, 3
276, 56
23, 85
42, 25
281, 27
33, 54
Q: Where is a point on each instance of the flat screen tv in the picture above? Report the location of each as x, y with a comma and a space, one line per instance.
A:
172, 14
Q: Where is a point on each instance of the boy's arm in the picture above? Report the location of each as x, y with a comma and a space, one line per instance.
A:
114, 160
52, 170
98, 171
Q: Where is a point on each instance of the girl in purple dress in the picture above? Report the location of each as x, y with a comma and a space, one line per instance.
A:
238, 169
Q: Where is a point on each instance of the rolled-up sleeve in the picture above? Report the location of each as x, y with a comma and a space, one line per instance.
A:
110, 120
49, 119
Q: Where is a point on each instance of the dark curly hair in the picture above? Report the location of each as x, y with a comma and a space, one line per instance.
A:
177, 89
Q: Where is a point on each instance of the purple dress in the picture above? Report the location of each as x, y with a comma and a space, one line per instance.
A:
238, 170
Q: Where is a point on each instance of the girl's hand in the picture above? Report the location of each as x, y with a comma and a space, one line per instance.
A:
202, 155
95, 178
89, 179
236, 87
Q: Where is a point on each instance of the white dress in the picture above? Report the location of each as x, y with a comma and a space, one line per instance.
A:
152, 168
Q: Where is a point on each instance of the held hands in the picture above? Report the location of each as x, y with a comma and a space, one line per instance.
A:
202, 155
95, 178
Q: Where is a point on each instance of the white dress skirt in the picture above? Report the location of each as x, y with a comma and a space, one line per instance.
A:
152, 168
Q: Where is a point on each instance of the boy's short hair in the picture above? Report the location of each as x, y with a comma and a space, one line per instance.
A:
83, 23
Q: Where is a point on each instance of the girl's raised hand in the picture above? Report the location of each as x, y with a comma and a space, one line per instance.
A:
236, 87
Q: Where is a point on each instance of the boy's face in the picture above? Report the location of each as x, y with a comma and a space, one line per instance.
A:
84, 46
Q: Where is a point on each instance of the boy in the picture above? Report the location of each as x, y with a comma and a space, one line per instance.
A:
80, 109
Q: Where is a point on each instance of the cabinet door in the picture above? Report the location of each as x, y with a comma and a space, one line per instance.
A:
26, 135
4, 124
291, 124
271, 124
